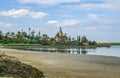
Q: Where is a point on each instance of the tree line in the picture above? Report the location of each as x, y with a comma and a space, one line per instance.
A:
22, 37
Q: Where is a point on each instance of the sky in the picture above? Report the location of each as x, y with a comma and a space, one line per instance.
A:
98, 20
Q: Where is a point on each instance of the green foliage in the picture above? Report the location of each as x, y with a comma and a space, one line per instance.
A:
103, 44
1, 44
92, 43
21, 38
109, 44
116, 44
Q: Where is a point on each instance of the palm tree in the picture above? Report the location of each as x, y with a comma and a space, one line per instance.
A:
32, 33
29, 30
18, 34
8, 33
12, 33
39, 34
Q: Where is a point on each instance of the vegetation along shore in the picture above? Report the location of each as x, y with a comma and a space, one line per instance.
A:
22, 38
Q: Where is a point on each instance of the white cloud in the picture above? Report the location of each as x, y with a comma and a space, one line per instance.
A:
98, 19
52, 22
89, 6
14, 13
48, 2
97, 28
112, 1
71, 22
93, 17
37, 14
3, 24
22, 13
86, 6
112, 5
107, 4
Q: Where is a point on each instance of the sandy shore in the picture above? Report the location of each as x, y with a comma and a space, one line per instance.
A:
58, 65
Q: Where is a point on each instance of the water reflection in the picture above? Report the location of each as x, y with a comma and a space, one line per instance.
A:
78, 51
64, 50
112, 51
83, 51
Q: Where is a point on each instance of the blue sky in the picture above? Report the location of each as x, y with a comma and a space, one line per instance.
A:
97, 19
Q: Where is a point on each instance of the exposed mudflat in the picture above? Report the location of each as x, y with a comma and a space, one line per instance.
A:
59, 65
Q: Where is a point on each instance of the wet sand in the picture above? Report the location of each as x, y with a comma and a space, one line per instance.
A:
59, 65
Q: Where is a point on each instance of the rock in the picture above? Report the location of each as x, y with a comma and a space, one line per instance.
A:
12, 67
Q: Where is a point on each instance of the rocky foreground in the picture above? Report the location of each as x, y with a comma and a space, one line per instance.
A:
11, 67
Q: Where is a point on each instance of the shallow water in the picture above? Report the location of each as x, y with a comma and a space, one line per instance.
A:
111, 51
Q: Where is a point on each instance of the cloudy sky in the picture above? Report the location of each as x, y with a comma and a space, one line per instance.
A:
97, 19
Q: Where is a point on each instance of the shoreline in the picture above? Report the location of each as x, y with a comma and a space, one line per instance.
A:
54, 46
59, 65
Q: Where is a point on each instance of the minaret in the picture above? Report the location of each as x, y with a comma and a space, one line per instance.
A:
60, 29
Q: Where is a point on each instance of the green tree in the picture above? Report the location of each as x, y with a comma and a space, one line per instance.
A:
29, 30
39, 34
78, 38
84, 39
33, 34
1, 36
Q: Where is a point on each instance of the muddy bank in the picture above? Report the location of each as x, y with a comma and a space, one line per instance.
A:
59, 65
